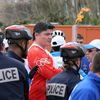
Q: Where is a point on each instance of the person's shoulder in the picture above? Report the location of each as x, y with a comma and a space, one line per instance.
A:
85, 85
19, 65
84, 89
8, 62
80, 93
14, 62
34, 49
59, 77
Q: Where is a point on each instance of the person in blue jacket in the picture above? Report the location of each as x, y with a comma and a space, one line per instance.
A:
60, 86
13, 77
85, 62
89, 88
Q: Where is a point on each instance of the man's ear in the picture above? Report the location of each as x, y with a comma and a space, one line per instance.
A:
21, 42
36, 34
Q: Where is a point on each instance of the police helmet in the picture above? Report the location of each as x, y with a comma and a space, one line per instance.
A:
58, 33
71, 51
18, 32
1, 37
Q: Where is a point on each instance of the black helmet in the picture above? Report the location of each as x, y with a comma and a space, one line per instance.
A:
71, 51
17, 32
1, 37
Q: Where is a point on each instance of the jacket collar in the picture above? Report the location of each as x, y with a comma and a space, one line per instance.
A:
13, 55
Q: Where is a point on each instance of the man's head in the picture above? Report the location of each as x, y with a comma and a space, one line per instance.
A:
92, 48
56, 42
96, 63
18, 36
43, 33
79, 39
72, 54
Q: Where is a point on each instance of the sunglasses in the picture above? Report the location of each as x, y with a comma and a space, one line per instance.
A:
91, 50
80, 42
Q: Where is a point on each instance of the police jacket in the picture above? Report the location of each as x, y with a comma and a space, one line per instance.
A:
13, 79
13, 55
60, 86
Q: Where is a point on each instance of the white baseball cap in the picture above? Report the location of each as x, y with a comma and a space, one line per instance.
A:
93, 44
57, 41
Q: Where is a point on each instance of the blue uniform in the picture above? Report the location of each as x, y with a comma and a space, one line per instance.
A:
60, 87
13, 79
13, 55
85, 65
88, 89
82, 74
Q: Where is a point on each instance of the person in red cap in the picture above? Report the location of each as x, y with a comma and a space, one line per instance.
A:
39, 56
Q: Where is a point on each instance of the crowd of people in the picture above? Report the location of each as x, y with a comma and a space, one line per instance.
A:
70, 71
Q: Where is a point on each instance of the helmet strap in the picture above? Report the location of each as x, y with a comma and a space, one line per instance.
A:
23, 50
77, 67
67, 61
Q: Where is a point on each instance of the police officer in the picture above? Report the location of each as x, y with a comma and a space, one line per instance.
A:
13, 77
18, 37
60, 86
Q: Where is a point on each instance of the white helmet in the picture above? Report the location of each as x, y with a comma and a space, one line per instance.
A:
57, 41
58, 33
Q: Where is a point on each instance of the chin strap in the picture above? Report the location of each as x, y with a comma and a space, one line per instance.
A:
24, 50
77, 67
67, 61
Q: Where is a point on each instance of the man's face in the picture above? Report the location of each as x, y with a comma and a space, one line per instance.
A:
44, 38
90, 53
79, 41
78, 62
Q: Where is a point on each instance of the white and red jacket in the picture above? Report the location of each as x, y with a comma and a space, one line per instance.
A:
38, 56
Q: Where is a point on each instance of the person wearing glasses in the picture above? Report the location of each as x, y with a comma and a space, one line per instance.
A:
92, 48
80, 39
85, 62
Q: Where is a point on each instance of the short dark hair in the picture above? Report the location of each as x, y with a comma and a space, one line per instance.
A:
96, 63
42, 26
79, 36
